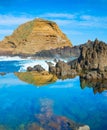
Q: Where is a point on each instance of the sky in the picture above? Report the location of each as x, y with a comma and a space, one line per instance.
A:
80, 20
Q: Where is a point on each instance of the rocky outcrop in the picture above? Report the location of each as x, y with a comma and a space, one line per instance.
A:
93, 57
62, 70
92, 62
63, 52
33, 37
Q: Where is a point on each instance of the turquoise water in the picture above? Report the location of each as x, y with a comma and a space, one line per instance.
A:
22, 103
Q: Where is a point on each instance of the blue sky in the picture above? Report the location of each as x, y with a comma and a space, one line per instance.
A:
80, 20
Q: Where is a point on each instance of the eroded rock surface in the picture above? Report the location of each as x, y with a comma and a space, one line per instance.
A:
93, 57
62, 70
34, 36
91, 64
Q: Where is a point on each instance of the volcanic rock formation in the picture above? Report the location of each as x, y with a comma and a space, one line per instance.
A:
91, 64
33, 37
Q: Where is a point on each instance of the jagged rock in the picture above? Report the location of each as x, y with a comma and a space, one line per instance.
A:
93, 57
62, 70
92, 61
34, 36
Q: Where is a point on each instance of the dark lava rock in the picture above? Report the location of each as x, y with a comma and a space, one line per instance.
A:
93, 57
29, 68
62, 70
63, 52
37, 68
92, 61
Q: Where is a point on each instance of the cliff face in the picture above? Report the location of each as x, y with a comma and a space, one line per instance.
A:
34, 36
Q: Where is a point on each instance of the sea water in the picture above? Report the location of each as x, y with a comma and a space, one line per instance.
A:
20, 102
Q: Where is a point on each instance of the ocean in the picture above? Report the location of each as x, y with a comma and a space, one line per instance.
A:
25, 106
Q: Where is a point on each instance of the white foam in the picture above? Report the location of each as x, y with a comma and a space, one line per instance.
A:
15, 58
27, 63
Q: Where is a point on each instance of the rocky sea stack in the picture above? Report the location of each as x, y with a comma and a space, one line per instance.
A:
33, 37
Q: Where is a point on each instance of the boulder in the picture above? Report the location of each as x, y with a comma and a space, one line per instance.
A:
29, 68
37, 68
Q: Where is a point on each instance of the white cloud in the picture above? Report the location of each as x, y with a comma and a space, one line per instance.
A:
58, 15
9, 20
93, 21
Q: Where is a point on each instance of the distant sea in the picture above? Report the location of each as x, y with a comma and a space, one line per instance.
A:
20, 102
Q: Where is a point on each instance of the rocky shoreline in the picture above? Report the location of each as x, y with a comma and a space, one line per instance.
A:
91, 64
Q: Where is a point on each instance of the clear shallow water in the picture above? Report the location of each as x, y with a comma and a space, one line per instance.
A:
22, 103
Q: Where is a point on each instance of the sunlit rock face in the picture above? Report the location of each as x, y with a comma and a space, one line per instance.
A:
92, 57
34, 36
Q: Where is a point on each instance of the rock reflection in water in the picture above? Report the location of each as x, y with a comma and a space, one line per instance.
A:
97, 85
36, 78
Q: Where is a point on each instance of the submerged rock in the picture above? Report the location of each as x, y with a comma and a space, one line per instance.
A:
50, 121
33, 126
85, 127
